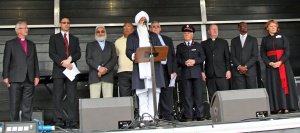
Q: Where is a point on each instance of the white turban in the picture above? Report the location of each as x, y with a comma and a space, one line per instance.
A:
140, 15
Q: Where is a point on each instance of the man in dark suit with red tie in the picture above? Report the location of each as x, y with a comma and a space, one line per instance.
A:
64, 49
244, 55
20, 73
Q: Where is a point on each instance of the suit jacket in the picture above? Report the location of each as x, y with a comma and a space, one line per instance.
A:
217, 58
57, 52
244, 56
171, 58
131, 46
107, 57
184, 53
16, 65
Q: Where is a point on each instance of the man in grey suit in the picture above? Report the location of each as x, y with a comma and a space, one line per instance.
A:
20, 72
101, 58
244, 55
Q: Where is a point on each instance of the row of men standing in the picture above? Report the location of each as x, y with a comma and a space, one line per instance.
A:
102, 56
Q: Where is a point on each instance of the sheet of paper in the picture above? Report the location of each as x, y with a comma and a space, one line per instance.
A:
71, 74
172, 81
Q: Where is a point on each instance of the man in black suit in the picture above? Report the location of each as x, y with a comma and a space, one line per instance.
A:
169, 66
141, 75
64, 49
20, 72
217, 63
244, 55
101, 58
190, 56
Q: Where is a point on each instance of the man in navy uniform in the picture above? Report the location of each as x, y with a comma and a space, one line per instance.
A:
190, 56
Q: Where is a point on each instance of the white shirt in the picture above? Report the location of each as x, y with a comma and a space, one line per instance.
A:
189, 42
245, 36
63, 34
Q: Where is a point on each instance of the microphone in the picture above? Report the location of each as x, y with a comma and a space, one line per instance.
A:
145, 22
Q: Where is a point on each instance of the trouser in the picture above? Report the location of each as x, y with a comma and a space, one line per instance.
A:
125, 88
146, 108
105, 87
21, 97
244, 82
58, 93
166, 100
215, 84
193, 98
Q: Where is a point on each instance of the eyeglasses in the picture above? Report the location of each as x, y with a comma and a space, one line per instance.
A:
65, 22
26, 28
155, 26
127, 27
102, 31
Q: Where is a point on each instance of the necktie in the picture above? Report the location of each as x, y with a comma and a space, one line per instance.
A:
243, 41
67, 44
188, 44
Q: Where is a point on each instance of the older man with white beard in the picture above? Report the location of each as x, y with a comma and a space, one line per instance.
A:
141, 75
101, 58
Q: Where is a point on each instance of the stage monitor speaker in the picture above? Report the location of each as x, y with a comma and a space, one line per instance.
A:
237, 105
104, 114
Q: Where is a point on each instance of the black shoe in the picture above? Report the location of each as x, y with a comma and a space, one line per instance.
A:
59, 123
200, 119
74, 125
185, 120
208, 118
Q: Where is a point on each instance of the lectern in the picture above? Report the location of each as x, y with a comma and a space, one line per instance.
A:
152, 54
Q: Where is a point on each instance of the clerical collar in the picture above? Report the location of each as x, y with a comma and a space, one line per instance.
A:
213, 39
21, 39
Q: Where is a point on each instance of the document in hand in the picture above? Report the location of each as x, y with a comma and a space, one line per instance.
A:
71, 74
172, 81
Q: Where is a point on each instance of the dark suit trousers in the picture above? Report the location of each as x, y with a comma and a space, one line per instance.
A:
21, 97
166, 100
125, 88
244, 82
58, 94
193, 98
215, 84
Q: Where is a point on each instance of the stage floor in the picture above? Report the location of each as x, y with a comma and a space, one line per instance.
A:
276, 123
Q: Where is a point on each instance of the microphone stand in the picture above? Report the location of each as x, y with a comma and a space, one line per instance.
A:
152, 52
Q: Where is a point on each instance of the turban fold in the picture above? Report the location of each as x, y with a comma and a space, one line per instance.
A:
140, 15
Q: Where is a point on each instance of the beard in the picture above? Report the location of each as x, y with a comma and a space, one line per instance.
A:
143, 31
100, 38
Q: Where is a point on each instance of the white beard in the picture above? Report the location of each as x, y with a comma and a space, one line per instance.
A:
100, 38
143, 31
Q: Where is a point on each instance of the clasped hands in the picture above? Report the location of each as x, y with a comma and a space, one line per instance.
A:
243, 69
190, 62
102, 71
276, 64
67, 63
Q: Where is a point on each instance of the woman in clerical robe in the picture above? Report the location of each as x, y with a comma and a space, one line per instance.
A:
280, 82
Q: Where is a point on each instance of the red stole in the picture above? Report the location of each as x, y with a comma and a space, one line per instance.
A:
282, 70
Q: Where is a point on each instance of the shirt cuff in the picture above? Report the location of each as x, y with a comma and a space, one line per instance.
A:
132, 56
238, 68
99, 67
